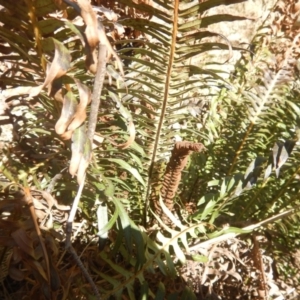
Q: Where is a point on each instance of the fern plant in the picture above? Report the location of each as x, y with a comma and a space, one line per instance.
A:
146, 221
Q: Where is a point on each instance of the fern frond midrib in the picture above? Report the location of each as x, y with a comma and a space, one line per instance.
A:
165, 97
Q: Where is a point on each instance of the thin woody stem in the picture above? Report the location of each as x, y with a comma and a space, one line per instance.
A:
98, 84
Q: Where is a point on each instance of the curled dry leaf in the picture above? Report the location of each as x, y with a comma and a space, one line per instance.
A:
53, 202
85, 160
16, 274
23, 241
90, 20
77, 148
85, 94
55, 90
67, 135
85, 99
110, 51
94, 33
91, 60
67, 113
58, 68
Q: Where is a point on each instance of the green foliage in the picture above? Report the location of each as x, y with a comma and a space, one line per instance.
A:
248, 124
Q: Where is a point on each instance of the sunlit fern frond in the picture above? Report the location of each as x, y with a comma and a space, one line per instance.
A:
163, 82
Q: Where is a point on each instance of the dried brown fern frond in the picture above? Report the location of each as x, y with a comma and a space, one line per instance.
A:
172, 176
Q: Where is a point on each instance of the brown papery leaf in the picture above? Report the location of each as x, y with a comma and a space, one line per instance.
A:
110, 51
67, 135
85, 99
91, 59
59, 66
85, 94
77, 148
55, 90
78, 119
16, 274
90, 19
95, 33
67, 113
85, 160
38, 267
53, 202
23, 241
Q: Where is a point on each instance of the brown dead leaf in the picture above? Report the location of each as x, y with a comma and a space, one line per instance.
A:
91, 53
85, 99
23, 241
67, 135
58, 67
77, 148
84, 162
55, 90
53, 202
34, 264
85, 94
67, 113
91, 60
90, 20
95, 34
110, 51
15, 273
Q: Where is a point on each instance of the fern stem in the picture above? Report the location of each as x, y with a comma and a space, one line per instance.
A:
164, 105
